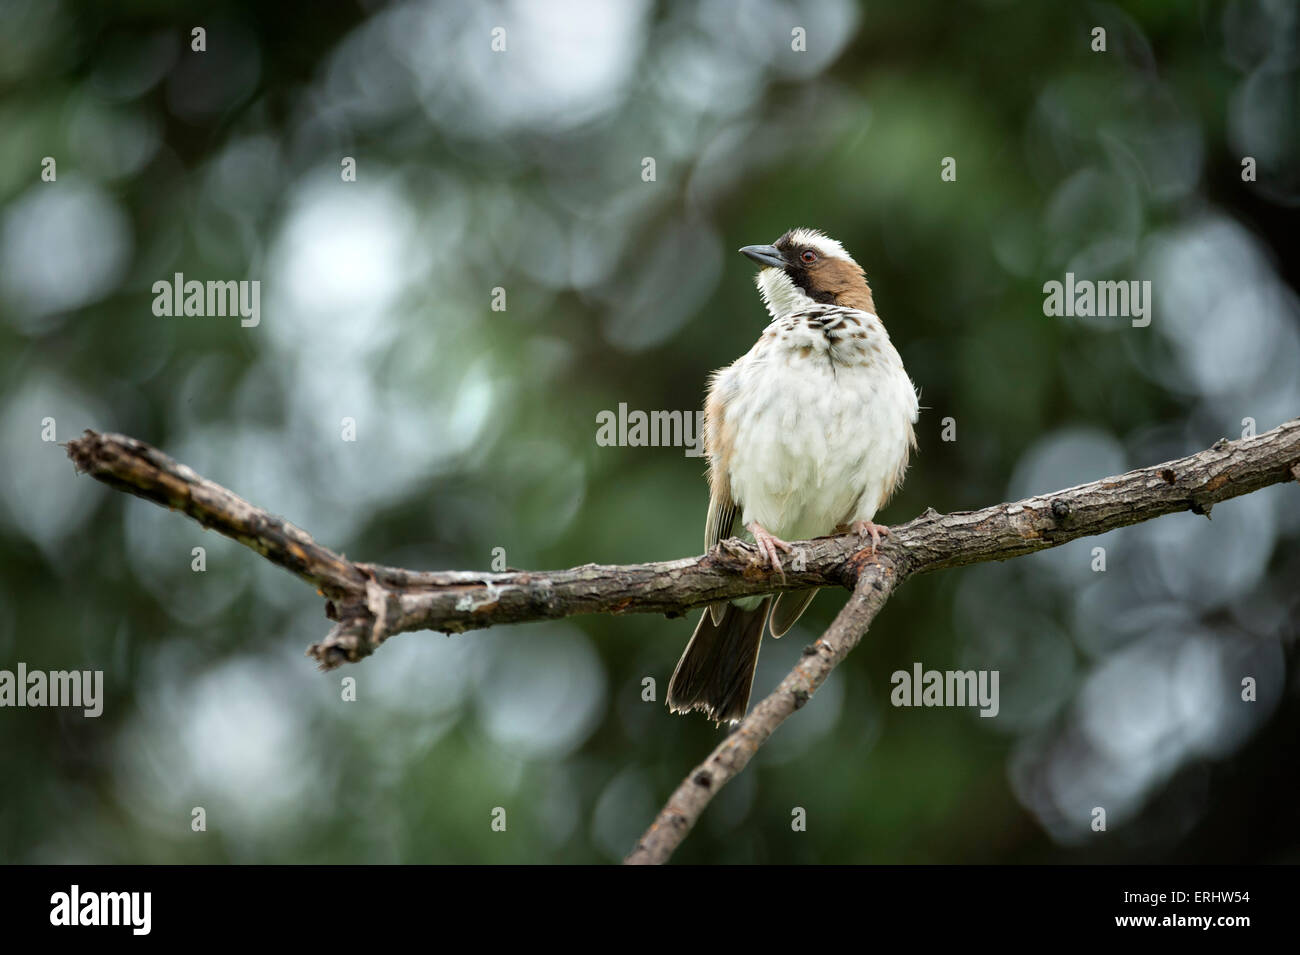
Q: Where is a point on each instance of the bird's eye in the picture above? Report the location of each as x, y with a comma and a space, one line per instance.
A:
808, 256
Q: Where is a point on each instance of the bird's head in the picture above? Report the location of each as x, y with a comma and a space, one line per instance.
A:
804, 267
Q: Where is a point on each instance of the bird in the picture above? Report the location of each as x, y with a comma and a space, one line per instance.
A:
806, 434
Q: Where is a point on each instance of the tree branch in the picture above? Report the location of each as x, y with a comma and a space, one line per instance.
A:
371, 602
1195, 483
875, 584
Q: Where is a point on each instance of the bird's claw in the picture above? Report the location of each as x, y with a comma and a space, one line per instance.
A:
768, 545
867, 528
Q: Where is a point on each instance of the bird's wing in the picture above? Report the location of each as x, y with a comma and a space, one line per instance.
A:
722, 515
723, 508
788, 608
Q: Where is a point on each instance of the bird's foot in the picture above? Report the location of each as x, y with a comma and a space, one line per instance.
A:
874, 531
768, 545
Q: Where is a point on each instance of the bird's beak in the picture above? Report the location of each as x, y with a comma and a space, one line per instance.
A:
764, 255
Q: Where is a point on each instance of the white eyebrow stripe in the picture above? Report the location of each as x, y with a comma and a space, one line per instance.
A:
823, 244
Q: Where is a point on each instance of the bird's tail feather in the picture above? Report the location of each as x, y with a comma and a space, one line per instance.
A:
716, 672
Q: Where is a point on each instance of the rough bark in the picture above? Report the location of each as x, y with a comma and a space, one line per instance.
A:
689, 800
371, 602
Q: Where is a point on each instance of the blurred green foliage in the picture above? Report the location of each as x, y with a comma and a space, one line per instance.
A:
522, 170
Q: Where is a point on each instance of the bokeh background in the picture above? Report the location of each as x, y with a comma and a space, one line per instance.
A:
476, 428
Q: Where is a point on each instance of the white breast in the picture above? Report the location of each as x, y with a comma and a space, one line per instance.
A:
818, 417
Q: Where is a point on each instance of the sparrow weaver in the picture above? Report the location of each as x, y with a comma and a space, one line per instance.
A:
808, 433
